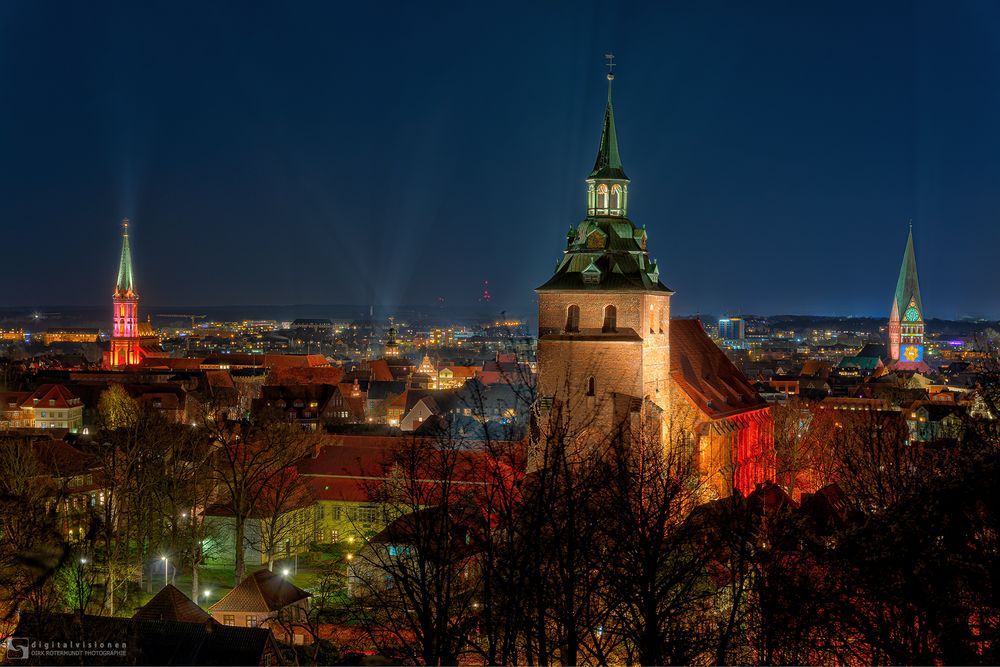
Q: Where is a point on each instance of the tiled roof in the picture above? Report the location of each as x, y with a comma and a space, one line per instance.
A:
267, 360
11, 400
306, 375
60, 459
706, 375
462, 371
349, 456
262, 591
172, 605
62, 396
380, 370
171, 363
219, 380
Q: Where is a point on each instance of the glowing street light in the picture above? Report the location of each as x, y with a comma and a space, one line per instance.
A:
284, 572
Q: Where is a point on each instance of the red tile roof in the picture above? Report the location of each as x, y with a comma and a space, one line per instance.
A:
339, 469
380, 370
12, 399
346, 467
266, 360
219, 379
306, 375
42, 396
171, 363
706, 375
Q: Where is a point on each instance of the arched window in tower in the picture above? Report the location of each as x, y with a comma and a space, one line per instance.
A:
616, 200
610, 319
573, 318
591, 198
591, 387
602, 197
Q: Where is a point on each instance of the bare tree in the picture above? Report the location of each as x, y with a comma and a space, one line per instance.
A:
284, 493
250, 455
417, 580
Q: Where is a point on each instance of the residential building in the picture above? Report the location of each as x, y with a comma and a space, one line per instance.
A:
52, 406
265, 599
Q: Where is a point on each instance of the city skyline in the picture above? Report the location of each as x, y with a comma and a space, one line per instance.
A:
234, 173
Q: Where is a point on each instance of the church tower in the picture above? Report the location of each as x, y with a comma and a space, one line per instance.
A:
391, 344
603, 317
125, 330
906, 319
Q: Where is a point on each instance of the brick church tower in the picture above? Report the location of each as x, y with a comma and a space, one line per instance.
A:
125, 344
604, 316
906, 318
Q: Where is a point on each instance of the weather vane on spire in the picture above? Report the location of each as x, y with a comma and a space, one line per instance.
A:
610, 65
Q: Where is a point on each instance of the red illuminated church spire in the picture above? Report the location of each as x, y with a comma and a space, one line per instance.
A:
125, 327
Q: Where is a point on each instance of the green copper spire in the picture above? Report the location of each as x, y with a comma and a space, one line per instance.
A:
907, 286
126, 283
609, 161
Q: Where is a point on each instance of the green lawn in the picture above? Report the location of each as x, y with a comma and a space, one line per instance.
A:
218, 579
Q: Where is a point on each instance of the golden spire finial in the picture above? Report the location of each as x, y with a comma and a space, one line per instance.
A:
125, 225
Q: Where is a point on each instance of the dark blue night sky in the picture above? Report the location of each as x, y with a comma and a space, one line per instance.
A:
397, 153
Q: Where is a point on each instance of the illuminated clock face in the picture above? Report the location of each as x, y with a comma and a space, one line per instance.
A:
913, 352
911, 314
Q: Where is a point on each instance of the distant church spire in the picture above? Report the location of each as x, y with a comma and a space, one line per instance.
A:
125, 349
126, 284
906, 318
907, 285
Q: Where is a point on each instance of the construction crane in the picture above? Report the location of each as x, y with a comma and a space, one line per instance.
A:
184, 315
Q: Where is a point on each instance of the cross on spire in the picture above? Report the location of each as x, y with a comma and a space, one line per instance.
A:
610, 65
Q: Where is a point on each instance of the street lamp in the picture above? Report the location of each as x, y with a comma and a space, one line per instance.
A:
83, 561
166, 580
284, 572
